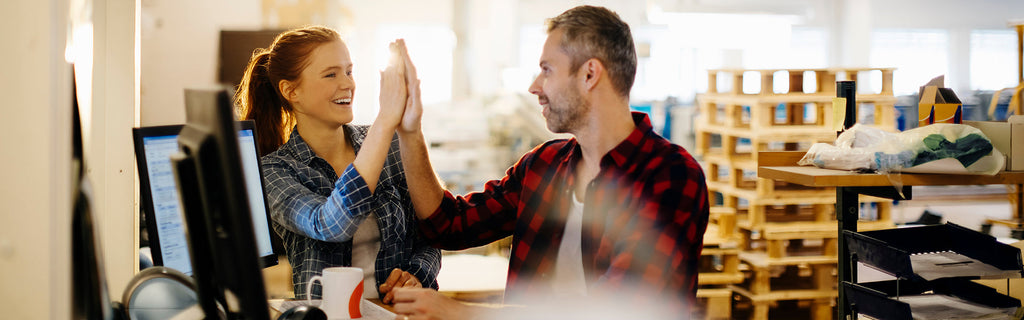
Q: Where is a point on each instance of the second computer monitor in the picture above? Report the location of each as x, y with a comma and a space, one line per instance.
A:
164, 223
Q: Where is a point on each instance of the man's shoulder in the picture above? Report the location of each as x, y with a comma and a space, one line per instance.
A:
551, 149
670, 155
544, 155
555, 144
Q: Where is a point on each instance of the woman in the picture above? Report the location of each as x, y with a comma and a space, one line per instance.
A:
337, 192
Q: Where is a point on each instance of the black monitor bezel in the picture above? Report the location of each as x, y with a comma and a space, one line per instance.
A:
214, 200
138, 135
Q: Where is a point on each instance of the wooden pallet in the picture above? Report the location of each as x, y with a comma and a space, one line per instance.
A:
718, 268
723, 220
758, 211
713, 304
785, 206
719, 261
825, 79
732, 143
765, 191
738, 149
738, 178
801, 108
810, 279
759, 309
788, 248
798, 111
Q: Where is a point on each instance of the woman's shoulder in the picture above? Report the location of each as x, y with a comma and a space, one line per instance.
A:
277, 157
284, 155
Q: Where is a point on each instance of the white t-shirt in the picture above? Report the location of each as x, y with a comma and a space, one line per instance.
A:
569, 279
365, 245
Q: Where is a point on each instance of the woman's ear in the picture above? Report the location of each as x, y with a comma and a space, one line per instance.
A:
287, 89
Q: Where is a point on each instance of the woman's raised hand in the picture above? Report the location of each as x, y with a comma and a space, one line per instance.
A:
393, 89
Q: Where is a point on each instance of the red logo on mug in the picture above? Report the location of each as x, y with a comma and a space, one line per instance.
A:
353, 301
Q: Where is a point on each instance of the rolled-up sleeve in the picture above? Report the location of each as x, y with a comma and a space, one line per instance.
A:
334, 218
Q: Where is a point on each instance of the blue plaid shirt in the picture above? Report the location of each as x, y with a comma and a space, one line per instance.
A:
316, 213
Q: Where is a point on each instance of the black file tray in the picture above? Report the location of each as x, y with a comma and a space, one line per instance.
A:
889, 250
879, 299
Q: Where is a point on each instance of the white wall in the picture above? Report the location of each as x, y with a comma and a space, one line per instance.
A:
179, 50
35, 166
108, 117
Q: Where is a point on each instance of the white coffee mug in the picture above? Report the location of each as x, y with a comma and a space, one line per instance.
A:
342, 291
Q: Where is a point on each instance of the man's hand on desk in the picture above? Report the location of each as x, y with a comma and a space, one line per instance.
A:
428, 304
397, 279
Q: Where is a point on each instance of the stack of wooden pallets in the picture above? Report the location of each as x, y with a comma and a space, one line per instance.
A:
719, 269
785, 234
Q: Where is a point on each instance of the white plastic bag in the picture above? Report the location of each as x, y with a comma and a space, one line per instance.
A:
936, 148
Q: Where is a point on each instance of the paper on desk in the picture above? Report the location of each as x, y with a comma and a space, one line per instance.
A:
934, 306
370, 310
945, 264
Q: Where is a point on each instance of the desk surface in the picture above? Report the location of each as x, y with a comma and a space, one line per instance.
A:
782, 166
276, 305
817, 177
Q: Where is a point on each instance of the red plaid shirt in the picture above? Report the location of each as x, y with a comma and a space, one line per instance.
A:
644, 216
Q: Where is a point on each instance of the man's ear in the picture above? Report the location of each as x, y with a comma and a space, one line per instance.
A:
591, 71
287, 89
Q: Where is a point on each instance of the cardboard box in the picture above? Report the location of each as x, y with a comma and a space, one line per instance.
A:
1007, 137
938, 105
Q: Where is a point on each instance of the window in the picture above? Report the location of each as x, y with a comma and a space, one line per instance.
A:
431, 48
993, 59
919, 55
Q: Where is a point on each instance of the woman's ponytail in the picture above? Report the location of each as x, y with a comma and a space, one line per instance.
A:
259, 101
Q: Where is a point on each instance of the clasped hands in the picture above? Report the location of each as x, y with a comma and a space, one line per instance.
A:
400, 104
397, 279
413, 302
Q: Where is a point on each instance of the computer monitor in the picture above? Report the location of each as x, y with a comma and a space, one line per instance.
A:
164, 223
214, 198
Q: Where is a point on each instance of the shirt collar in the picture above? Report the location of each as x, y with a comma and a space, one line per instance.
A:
620, 155
305, 154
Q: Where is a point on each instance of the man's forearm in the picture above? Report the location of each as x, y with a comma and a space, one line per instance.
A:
424, 188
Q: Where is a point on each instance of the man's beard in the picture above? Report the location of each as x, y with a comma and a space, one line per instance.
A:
567, 114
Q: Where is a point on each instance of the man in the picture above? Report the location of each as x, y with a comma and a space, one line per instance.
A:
617, 211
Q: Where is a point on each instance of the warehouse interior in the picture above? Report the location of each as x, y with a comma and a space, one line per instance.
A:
476, 60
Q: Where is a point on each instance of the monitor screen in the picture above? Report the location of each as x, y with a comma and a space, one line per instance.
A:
165, 225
